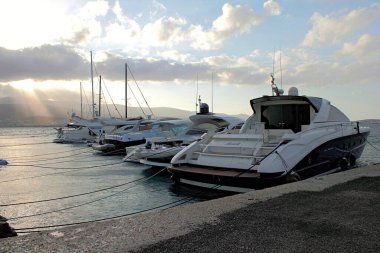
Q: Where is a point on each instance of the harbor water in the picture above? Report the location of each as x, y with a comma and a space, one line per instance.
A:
47, 184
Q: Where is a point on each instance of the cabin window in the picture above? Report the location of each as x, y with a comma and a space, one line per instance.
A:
145, 127
127, 127
289, 116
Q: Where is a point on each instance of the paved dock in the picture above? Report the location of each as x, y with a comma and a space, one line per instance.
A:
334, 213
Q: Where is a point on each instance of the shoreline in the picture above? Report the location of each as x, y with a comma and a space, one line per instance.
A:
150, 229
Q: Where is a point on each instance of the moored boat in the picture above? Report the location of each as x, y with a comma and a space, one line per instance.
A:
79, 131
288, 138
159, 151
137, 134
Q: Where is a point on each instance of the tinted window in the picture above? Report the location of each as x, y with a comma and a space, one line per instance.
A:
285, 116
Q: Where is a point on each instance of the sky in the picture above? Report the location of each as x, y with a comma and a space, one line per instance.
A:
222, 51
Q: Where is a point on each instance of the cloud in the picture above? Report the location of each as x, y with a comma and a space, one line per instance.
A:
97, 25
157, 9
163, 32
28, 24
367, 47
170, 31
122, 32
334, 27
126, 34
272, 7
234, 20
174, 55
355, 64
64, 63
42, 63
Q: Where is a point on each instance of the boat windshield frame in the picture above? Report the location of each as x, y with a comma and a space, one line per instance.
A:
313, 101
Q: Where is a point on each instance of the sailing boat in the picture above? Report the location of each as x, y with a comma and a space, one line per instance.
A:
136, 130
81, 130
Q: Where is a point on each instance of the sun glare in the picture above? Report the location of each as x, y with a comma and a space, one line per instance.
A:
24, 85
30, 85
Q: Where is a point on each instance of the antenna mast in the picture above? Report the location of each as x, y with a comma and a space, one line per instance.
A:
126, 88
212, 92
92, 86
280, 70
196, 97
100, 94
81, 103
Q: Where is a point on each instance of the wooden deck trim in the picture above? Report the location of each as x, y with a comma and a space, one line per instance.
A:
223, 172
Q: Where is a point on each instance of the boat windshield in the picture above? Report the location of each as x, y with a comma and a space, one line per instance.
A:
285, 116
179, 130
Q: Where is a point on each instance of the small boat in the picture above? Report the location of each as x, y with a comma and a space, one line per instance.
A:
288, 138
159, 151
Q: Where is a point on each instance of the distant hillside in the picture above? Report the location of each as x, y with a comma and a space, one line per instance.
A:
26, 115
19, 108
370, 121
53, 115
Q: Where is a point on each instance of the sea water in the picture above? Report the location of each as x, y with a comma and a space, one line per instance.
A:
40, 170
48, 184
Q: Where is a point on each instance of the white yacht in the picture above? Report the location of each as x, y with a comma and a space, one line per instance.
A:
136, 134
159, 151
288, 138
114, 126
79, 130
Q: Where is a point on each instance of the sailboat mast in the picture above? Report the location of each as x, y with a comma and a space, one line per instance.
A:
126, 92
81, 102
212, 92
100, 94
92, 87
196, 97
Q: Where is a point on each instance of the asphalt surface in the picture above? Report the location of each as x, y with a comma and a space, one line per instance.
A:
334, 213
345, 218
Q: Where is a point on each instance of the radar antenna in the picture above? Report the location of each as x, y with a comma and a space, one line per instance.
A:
275, 90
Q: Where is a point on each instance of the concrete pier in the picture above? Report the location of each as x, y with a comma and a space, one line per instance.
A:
336, 213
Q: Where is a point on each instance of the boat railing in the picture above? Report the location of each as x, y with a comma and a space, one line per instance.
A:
340, 126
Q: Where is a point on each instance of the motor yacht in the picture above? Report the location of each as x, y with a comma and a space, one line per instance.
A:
159, 151
79, 130
136, 134
287, 138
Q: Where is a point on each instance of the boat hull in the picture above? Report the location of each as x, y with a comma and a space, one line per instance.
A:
326, 158
117, 146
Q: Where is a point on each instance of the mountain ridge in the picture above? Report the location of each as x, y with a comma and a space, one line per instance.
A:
29, 114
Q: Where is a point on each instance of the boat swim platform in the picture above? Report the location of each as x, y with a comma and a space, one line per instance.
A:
334, 213
217, 172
